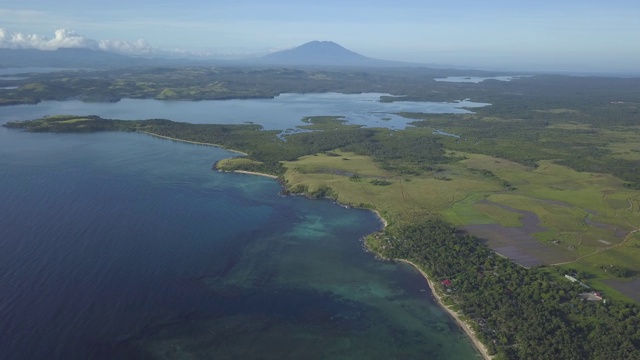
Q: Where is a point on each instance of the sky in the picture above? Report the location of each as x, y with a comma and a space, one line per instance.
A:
562, 35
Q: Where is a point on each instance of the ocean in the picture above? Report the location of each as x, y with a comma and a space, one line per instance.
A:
126, 246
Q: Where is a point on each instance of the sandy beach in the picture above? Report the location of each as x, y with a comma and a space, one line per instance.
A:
384, 221
191, 142
254, 173
467, 329
215, 145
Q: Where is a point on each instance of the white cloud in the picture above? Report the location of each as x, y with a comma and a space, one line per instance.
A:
69, 39
62, 39
137, 48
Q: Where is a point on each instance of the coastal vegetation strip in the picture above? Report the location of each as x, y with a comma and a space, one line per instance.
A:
517, 313
188, 141
466, 327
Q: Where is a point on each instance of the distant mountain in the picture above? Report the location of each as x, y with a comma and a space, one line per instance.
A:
314, 53
325, 53
67, 58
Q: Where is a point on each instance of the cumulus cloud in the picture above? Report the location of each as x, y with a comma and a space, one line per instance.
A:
69, 39
139, 47
62, 39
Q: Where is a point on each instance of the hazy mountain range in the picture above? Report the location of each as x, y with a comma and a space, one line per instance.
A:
315, 53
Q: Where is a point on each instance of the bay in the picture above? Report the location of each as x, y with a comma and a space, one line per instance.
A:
124, 246
285, 111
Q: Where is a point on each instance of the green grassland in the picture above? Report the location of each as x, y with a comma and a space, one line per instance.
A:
582, 212
498, 214
625, 143
350, 177
237, 163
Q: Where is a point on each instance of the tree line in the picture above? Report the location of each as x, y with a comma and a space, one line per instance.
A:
517, 313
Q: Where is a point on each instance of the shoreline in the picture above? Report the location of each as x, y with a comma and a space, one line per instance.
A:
214, 145
467, 329
251, 173
384, 221
191, 142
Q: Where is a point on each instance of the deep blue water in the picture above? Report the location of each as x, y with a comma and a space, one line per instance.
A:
125, 246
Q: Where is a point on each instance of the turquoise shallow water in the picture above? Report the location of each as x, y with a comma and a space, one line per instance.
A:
124, 246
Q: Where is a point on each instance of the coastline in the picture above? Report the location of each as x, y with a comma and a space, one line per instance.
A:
193, 142
252, 173
467, 329
218, 146
384, 221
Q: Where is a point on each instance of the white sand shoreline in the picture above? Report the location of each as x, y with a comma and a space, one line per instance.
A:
467, 329
191, 142
252, 173
384, 221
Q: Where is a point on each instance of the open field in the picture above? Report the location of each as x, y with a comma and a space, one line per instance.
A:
542, 215
352, 178
628, 288
626, 144
518, 243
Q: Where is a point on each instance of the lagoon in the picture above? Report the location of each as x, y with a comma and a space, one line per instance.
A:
285, 111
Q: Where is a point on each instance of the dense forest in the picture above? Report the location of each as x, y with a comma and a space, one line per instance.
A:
518, 313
